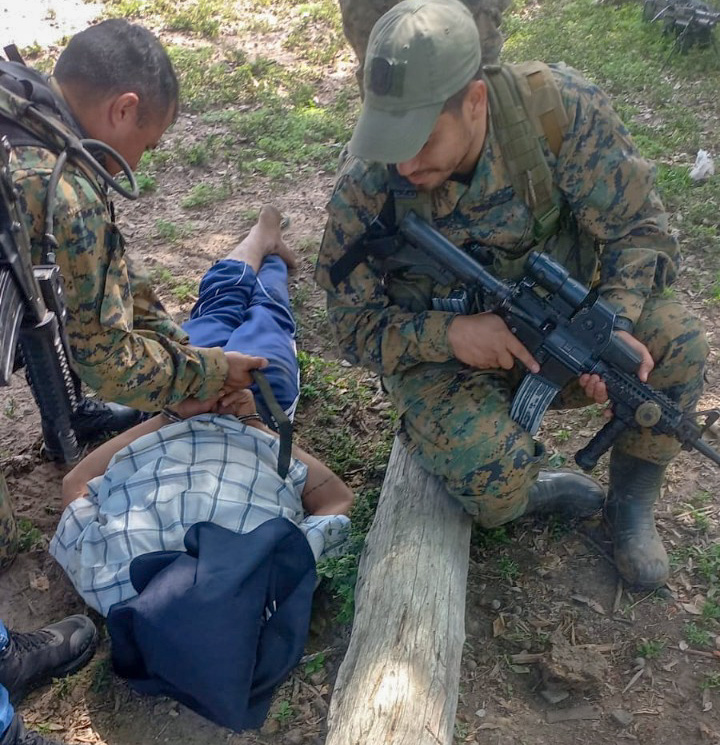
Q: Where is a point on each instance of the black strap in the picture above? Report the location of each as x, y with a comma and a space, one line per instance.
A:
376, 241
13, 54
281, 422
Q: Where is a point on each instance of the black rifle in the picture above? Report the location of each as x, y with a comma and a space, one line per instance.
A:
32, 311
569, 330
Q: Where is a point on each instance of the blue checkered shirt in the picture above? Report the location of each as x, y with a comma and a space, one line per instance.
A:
208, 468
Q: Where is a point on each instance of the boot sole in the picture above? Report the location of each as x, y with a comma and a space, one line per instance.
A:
18, 694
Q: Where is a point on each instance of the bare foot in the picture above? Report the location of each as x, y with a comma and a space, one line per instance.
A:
264, 238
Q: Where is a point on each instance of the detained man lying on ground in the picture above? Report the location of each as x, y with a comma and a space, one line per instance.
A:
141, 491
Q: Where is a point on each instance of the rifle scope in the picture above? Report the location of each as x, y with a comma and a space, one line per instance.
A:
556, 279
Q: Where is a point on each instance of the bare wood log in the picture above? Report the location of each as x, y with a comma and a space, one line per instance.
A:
399, 680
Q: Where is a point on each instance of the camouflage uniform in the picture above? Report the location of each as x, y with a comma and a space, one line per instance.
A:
457, 417
359, 17
124, 344
8, 527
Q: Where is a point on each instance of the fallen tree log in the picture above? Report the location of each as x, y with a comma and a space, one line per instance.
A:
399, 680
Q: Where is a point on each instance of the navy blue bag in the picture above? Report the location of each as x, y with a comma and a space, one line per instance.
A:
220, 626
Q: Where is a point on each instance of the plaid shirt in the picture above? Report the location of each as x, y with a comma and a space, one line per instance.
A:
208, 468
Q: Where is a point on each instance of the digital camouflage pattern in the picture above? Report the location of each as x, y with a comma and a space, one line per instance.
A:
457, 417
8, 527
359, 17
124, 344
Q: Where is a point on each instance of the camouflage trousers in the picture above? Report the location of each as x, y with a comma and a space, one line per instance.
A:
457, 419
359, 17
8, 527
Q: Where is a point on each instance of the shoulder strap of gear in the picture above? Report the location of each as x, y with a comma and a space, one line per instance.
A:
407, 198
527, 108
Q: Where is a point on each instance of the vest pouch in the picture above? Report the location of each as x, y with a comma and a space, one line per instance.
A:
577, 251
412, 292
116, 310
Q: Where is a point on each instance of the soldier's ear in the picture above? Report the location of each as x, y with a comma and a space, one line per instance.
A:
123, 110
476, 99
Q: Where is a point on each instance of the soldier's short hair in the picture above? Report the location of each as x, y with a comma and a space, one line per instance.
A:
115, 57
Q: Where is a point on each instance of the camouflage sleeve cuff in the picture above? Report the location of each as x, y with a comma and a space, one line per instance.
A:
626, 303
216, 370
433, 342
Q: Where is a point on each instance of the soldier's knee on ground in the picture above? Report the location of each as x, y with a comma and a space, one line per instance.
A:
8, 527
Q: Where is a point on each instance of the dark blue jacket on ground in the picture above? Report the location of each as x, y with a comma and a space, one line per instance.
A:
220, 627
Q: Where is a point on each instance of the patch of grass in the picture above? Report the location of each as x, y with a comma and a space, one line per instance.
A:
697, 636
317, 35
203, 195
202, 17
250, 215
650, 649
490, 538
509, 569
101, 676
707, 562
171, 232
146, 183
210, 78
341, 572
11, 409
711, 610
30, 537
185, 291
282, 140
711, 681
283, 712
315, 665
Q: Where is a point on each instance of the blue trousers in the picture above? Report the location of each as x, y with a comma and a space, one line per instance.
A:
244, 312
6, 709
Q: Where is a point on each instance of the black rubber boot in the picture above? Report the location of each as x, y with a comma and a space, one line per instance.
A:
16, 734
92, 419
31, 659
639, 553
567, 493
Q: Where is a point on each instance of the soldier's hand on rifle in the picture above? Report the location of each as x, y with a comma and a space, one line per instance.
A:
239, 367
484, 341
595, 387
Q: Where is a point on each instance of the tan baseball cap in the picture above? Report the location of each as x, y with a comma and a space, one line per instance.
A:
420, 53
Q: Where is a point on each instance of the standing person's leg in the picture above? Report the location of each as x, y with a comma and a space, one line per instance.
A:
6, 710
28, 660
244, 306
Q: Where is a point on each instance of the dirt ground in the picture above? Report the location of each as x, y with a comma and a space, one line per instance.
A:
556, 652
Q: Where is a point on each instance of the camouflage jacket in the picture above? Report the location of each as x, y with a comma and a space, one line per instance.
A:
601, 184
123, 343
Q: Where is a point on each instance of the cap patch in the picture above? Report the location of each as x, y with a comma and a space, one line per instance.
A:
386, 77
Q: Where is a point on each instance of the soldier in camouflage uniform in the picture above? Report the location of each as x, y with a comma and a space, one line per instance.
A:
359, 17
113, 82
8, 527
452, 377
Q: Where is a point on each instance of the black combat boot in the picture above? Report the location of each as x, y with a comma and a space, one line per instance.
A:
639, 553
31, 659
567, 493
92, 419
16, 734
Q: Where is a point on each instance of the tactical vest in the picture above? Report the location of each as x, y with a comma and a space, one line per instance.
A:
526, 109
528, 117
